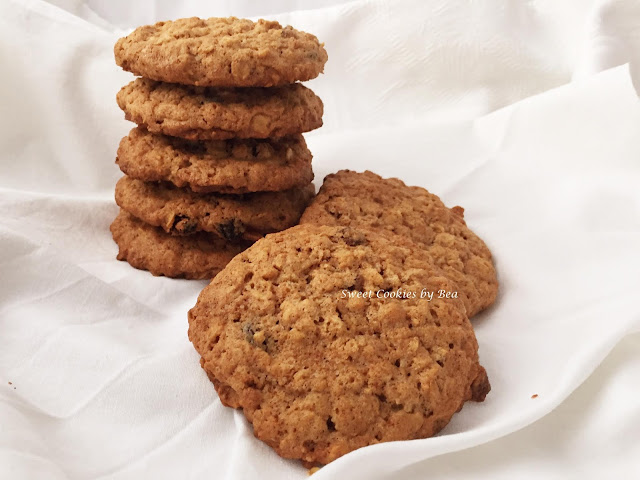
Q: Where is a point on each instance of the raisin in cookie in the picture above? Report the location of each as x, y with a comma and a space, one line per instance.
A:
198, 256
368, 200
199, 113
221, 52
224, 166
233, 217
319, 370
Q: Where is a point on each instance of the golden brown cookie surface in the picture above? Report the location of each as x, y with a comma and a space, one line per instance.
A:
221, 52
198, 256
199, 113
233, 217
224, 166
367, 200
320, 370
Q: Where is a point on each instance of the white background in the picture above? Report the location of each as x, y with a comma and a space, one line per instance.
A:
523, 112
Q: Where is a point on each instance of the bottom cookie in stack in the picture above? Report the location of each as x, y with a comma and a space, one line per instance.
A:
198, 256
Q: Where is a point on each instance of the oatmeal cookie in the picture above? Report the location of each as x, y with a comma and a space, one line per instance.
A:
233, 217
200, 113
224, 166
221, 52
367, 200
320, 370
197, 256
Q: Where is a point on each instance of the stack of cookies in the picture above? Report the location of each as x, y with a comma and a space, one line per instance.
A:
217, 159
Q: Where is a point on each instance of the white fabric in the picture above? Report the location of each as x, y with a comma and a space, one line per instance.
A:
103, 381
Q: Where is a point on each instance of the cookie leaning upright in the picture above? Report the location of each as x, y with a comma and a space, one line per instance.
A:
217, 159
366, 200
319, 373
221, 52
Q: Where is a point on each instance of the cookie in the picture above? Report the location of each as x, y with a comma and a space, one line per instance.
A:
367, 200
221, 52
200, 113
285, 334
233, 217
197, 256
224, 166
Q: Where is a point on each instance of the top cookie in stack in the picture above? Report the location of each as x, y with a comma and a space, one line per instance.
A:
221, 52
218, 159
